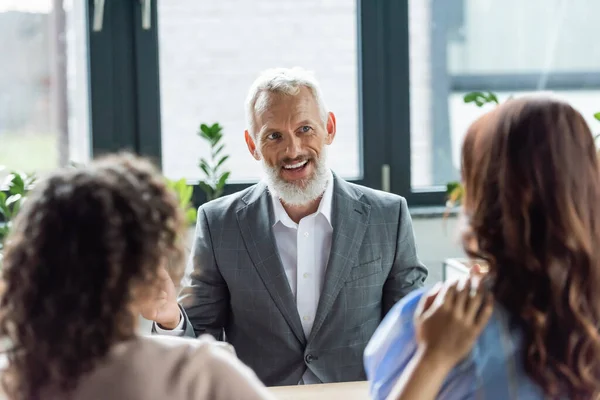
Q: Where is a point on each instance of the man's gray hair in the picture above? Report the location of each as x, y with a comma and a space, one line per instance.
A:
281, 80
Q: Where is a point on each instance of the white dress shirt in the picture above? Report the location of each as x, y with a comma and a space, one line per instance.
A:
304, 250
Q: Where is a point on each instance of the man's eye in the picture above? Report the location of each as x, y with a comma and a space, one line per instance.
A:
305, 129
274, 135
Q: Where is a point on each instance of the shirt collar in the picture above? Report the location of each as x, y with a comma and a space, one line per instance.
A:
324, 206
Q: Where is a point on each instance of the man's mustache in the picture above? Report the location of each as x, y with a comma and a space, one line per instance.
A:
287, 161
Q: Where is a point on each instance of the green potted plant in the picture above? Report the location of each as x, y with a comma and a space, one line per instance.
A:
455, 190
216, 176
12, 195
184, 194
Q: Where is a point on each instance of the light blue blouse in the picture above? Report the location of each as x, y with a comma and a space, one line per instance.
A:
493, 369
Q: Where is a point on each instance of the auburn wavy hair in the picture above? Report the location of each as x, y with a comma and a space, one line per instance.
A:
532, 201
87, 242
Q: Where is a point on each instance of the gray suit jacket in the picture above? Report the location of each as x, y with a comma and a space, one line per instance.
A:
238, 285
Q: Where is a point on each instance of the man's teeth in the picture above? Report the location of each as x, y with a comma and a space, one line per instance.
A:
297, 165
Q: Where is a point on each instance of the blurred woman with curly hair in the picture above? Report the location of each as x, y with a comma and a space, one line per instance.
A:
84, 256
532, 205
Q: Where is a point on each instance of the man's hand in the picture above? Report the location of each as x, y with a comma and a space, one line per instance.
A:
163, 309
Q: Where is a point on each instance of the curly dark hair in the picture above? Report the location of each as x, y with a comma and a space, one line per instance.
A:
86, 243
532, 185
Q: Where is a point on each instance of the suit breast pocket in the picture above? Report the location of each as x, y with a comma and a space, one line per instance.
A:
364, 270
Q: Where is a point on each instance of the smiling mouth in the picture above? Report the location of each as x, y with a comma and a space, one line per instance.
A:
296, 166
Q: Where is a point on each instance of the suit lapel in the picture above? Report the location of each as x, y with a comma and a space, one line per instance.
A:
350, 218
255, 221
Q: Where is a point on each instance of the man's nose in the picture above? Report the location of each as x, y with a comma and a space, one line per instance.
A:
294, 147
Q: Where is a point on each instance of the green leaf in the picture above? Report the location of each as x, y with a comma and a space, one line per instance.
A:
205, 132
216, 129
205, 167
4, 229
597, 116
191, 215
211, 133
481, 98
214, 139
454, 192
205, 129
213, 186
450, 186
186, 194
471, 96
16, 184
176, 185
218, 150
29, 181
223, 180
221, 161
3, 208
493, 98
208, 189
13, 200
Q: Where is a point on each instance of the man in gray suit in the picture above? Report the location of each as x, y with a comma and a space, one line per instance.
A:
297, 271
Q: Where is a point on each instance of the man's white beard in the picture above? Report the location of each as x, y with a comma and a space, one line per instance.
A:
299, 193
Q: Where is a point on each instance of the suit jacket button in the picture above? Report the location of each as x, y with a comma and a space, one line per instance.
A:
309, 358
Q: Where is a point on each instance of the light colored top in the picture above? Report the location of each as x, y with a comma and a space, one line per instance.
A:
493, 370
163, 367
304, 250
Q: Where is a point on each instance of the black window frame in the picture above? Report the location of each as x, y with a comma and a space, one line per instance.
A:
123, 81
125, 87
125, 92
443, 84
371, 89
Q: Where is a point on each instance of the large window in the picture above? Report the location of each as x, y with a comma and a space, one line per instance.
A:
211, 51
510, 47
43, 85
90, 77
394, 72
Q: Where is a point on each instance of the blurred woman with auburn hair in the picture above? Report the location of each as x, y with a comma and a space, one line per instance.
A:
532, 204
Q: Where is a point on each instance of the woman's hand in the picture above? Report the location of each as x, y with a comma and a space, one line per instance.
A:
448, 322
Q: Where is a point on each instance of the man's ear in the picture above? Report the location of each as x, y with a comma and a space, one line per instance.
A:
331, 128
251, 145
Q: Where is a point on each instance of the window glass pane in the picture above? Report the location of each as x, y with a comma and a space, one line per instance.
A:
210, 53
459, 46
514, 36
43, 89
